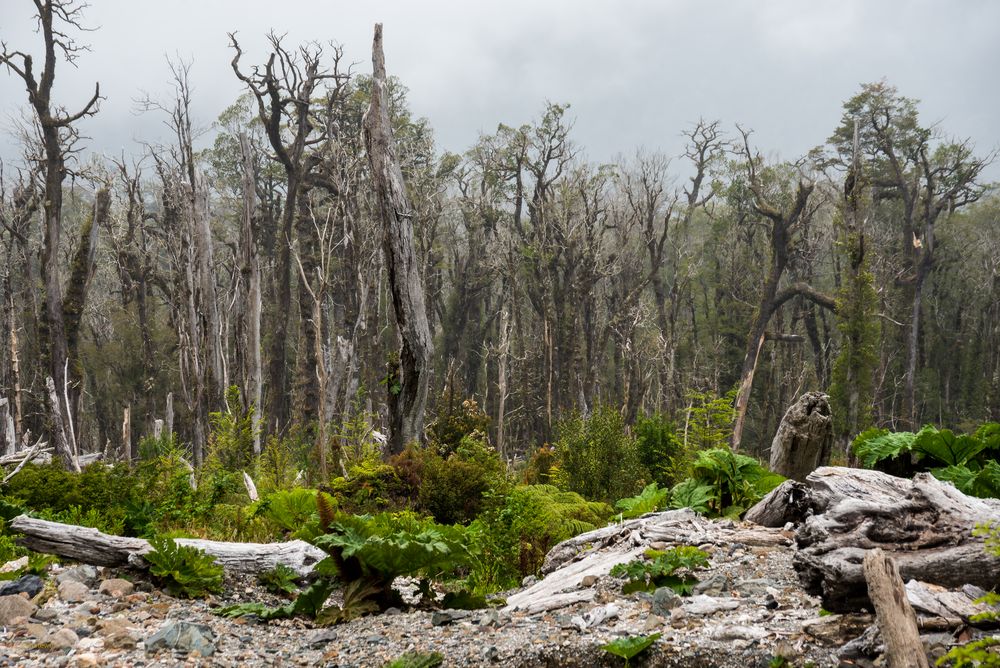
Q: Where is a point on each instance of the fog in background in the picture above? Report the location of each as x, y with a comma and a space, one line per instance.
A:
636, 73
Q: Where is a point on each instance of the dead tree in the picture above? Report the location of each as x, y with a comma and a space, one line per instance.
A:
185, 211
58, 136
286, 89
409, 376
783, 225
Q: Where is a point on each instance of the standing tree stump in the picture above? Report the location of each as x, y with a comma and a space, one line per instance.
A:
804, 438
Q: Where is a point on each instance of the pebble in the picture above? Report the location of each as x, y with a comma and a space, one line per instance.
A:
26, 584
73, 591
116, 588
62, 639
14, 606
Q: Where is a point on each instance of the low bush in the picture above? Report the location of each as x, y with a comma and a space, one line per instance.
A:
596, 458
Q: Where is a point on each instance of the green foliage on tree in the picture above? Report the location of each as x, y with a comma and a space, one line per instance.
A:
597, 458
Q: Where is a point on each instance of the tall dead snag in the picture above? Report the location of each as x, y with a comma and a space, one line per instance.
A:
58, 136
408, 379
784, 223
248, 341
896, 619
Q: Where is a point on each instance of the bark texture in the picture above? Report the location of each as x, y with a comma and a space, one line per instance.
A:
408, 379
924, 524
896, 619
804, 438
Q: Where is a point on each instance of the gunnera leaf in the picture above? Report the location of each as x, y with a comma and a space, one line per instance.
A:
417, 660
629, 647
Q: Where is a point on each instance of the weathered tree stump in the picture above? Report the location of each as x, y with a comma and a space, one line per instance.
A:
924, 524
804, 438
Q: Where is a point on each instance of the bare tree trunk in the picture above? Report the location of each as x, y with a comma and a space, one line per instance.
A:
251, 366
168, 416
59, 427
408, 390
127, 451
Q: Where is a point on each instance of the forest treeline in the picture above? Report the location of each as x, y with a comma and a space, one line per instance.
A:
146, 286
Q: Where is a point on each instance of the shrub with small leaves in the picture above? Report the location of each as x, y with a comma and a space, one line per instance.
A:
417, 660
186, 571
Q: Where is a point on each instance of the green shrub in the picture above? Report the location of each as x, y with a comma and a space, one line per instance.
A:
731, 481
453, 488
186, 571
539, 469
709, 420
597, 458
661, 452
650, 499
518, 529
373, 486
230, 440
660, 569
454, 421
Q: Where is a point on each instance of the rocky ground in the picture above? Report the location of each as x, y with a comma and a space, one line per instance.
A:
747, 610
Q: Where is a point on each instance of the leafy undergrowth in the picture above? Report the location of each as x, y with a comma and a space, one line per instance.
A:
630, 647
186, 571
672, 568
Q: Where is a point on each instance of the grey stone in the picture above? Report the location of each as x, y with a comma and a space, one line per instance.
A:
14, 606
752, 588
62, 639
665, 599
708, 605
183, 637
116, 588
528, 580
28, 584
46, 614
713, 586
84, 573
442, 617
73, 591
739, 632
321, 637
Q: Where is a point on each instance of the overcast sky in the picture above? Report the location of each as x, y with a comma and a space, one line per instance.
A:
636, 73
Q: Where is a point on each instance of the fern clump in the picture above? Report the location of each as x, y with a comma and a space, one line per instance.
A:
279, 580
519, 528
187, 571
670, 568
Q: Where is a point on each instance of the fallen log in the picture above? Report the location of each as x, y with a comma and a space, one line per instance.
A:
91, 546
924, 524
896, 619
592, 555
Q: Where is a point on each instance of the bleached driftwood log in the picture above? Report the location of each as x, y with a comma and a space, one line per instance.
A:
804, 437
788, 502
93, 547
924, 524
896, 619
596, 552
